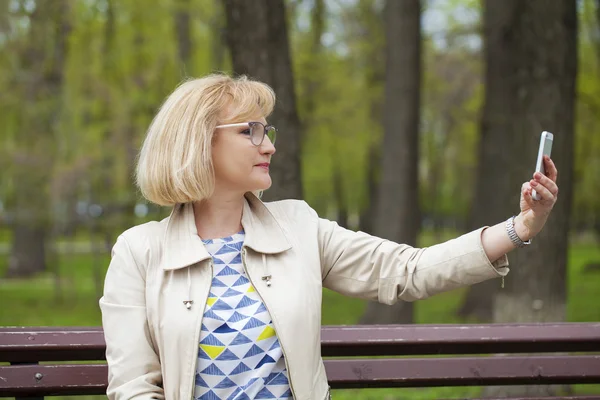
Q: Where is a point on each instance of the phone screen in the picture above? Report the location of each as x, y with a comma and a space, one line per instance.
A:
545, 152
547, 149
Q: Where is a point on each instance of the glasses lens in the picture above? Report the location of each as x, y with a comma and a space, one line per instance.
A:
257, 132
272, 134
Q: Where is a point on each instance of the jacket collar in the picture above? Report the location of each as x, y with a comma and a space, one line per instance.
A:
183, 246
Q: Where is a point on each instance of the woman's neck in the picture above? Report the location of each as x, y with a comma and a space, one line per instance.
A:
219, 216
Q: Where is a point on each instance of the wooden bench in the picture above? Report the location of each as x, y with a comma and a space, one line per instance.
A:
481, 349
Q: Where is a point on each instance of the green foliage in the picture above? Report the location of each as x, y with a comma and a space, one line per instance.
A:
123, 60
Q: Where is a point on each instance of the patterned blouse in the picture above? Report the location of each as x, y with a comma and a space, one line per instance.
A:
239, 356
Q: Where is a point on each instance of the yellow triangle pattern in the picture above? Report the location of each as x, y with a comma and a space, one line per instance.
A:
212, 351
211, 300
251, 289
266, 333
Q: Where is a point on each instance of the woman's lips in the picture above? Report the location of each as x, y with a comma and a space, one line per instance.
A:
263, 165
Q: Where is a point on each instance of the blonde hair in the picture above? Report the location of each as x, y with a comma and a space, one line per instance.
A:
175, 161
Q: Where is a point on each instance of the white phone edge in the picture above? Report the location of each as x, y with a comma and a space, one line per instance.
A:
539, 165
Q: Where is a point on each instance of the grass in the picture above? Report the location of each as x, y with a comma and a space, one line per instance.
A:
37, 302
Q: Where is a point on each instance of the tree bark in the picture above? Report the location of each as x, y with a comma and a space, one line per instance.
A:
183, 33
531, 66
258, 40
43, 60
367, 217
371, 22
398, 216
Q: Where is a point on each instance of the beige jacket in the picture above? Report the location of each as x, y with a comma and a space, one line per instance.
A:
152, 337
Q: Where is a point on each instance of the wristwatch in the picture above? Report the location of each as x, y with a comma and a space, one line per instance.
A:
512, 234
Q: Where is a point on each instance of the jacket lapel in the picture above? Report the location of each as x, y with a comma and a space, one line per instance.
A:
183, 246
263, 232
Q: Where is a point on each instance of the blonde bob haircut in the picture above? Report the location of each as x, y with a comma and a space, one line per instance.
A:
175, 161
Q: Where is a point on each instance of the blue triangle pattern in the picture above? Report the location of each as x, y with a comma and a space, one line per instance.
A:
211, 341
227, 355
266, 359
233, 396
210, 395
253, 323
241, 281
225, 383
200, 381
228, 271
212, 369
265, 394
240, 339
233, 303
230, 292
237, 259
280, 379
239, 369
237, 245
211, 314
261, 309
275, 345
217, 283
226, 249
250, 383
224, 329
237, 317
254, 350
245, 302
241, 396
220, 305
270, 377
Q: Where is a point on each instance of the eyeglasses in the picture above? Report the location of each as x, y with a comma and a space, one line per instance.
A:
257, 131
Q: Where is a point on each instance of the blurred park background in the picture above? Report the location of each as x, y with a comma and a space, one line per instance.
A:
412, 120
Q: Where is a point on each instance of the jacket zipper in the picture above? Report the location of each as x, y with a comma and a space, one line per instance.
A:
285, 359
197, 335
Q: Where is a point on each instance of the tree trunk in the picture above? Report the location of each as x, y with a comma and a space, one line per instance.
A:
367, 217
183, 33
531, 61
258, 40
28, 253
529, 75
42, 59
375, 76
398, 216
219, 40
598, 23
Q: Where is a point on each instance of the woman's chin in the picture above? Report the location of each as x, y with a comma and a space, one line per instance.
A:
262, 184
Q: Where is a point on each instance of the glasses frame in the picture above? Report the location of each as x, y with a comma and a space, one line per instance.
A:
250, 125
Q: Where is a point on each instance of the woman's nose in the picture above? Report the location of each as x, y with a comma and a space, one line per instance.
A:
267, 147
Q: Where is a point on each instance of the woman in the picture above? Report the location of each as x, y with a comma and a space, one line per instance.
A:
222, 300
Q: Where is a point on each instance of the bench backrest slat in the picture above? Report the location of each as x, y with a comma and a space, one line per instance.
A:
24, 347
463, 371
356, 373
70, 344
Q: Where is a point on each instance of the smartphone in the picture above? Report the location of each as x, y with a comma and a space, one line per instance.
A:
545, 149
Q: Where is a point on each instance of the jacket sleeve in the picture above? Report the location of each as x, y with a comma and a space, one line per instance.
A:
360, 265
133, 364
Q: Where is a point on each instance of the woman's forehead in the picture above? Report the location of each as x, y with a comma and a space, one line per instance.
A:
234, 114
